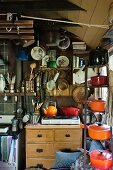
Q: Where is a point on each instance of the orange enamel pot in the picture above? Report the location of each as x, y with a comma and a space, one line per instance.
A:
101, 159
99, 132
97, 105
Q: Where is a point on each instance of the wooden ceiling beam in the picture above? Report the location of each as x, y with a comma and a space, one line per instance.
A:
40, 5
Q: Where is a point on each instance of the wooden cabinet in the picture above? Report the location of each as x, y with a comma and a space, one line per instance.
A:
42, 142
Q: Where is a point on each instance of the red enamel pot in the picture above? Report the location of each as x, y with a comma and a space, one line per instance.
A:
101, 159
70, 111
99, 80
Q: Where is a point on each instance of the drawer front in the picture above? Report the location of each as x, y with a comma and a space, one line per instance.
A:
68, 135
45, 163
39, 150
34, 136
67, 146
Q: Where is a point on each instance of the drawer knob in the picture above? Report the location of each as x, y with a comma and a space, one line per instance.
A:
39, 135
67, 135
39, 150
39, 165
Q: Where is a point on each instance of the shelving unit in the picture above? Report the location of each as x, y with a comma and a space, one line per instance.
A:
89, 110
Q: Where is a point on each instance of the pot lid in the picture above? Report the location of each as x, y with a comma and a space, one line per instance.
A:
98, 101
99, 127
101, 155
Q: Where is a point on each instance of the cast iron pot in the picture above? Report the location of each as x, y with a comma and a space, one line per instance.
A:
98, 56
99, 132
70, 111
99, 80
101, 159
97, 105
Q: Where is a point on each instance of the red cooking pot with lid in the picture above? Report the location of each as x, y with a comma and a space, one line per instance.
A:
99, 80
70, 111
101, 159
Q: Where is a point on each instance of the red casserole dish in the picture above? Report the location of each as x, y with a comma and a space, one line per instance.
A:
99, 80
70, 111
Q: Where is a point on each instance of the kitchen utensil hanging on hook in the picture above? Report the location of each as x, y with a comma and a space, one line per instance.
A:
32, 66
38, 52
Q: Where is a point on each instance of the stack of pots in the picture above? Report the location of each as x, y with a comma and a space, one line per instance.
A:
100, 159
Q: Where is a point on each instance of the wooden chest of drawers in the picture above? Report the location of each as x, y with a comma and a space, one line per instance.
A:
42, 142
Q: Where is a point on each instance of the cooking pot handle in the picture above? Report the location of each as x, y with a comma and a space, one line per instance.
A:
99, 98
51, 101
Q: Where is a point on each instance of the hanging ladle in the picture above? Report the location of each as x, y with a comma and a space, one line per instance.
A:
32, 66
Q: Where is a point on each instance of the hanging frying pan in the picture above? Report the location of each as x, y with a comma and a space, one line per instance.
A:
38, 52
63, 42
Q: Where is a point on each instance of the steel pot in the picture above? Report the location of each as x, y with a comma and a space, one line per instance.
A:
70, 111
97, 105
101, 159
98, 56
99, 132
99, 80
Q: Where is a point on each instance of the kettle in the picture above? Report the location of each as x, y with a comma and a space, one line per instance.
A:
51, 109
98, 56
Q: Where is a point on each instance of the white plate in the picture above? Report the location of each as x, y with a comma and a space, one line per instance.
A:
62, 61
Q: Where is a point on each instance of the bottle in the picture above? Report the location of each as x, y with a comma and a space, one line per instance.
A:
2, 83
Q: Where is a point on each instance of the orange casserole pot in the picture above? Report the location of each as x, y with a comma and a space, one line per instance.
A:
101, 159
99, 132
97, 105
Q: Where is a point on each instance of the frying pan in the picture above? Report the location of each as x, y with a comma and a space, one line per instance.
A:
51, 83
37, 52
62, 84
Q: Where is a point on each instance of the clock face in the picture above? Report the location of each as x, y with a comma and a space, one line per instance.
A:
64, 42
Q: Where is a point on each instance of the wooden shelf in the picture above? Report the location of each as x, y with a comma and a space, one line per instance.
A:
90, 86
98, 66
58, 68
76, 68
17, 94
80, 52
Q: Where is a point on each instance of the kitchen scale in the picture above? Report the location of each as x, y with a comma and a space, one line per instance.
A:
58, 120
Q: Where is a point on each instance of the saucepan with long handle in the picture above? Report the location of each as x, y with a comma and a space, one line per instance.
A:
51, 84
